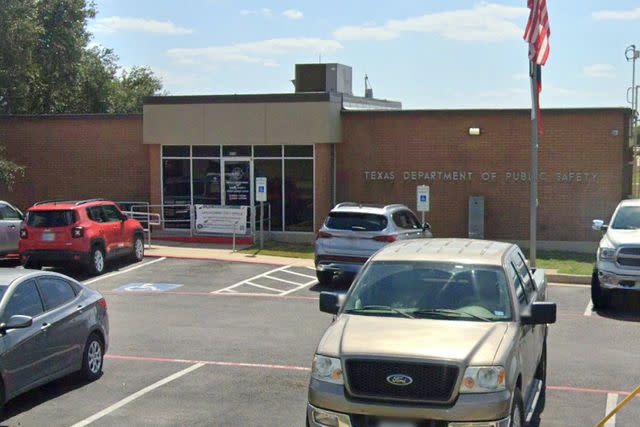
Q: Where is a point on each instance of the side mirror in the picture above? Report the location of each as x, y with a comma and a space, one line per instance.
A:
330, 302
16, 322
599, 225
539, 313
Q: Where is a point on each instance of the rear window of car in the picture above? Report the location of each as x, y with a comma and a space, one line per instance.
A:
53, 218
356, 221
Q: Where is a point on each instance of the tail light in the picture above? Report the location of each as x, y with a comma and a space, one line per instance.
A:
24, 234
389, 238
77, 232
103, 303
323, 235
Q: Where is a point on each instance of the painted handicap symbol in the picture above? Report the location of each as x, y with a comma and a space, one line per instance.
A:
147, 287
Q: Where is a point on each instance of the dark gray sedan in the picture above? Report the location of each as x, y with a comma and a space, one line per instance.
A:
50, 326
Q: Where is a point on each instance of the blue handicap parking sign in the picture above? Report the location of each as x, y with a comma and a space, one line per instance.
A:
147, 287
261, 189
423, 197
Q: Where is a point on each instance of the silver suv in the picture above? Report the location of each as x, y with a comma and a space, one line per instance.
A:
353, 232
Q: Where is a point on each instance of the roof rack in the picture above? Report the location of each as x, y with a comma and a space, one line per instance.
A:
395, 205
348, 204
67, 202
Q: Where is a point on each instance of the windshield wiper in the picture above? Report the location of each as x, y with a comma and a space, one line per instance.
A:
380, 307
446, 312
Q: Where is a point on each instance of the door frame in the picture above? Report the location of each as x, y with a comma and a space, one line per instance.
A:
223, 178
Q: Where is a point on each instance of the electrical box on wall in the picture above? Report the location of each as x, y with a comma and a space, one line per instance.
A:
476, 217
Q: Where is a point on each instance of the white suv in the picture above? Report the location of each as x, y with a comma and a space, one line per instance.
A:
353, 232
618, 257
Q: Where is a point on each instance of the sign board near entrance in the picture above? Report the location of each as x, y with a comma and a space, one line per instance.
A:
423, 198
221, 219
261, 189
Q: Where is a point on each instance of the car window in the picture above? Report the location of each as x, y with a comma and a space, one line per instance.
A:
523, 272
627, 218
8, 213
520, 294
111, 213
356, 221
407, 220
431, 289
55, 292
24, 301
95, 214
53, 218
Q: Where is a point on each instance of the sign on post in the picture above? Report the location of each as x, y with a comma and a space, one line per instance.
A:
423, 200
261, 189
221, 220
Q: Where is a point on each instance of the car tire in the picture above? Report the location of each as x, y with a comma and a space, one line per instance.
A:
137, 254
92, 358
517, 409
600, 298
97, 261
541, 374
325, 278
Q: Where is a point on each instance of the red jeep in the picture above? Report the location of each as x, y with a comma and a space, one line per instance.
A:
88, 233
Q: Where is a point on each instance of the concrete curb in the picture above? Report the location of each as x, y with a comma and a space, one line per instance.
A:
568, 278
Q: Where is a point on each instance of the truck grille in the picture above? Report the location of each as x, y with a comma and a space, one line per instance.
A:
629, 257
431, 382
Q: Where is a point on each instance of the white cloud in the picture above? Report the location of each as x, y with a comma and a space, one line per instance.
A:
617, 15
114, 24
259, 52
600, 71
293, 14
487, 22
266, 12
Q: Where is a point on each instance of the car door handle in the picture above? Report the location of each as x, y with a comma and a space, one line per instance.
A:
12, 226
45, 326
79, 308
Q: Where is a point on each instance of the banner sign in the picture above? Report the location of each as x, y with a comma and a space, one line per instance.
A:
221, 219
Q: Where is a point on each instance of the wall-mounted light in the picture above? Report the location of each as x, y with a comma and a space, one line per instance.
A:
474, 131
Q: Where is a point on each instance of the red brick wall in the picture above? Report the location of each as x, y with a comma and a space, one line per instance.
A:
323, 179
73, 157
578, 141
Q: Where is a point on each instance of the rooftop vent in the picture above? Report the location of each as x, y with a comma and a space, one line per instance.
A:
323, 78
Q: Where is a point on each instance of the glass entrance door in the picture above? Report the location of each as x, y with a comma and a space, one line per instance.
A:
237, 182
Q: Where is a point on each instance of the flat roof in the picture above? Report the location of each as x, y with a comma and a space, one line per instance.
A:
245, 98
69, 116
490, 110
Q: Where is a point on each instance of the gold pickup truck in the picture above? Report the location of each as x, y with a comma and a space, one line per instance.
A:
434, 333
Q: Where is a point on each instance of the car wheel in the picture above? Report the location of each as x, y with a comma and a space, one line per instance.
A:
97, 261
324, 277
138, 249
600, 298
541, 375
517, 409
93, 358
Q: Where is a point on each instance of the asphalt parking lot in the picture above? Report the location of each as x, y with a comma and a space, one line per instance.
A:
210, 343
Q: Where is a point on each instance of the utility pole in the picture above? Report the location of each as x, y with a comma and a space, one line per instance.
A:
533, 200
632, 54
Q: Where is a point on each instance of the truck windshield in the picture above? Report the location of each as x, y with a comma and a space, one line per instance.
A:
431, 290
627, 218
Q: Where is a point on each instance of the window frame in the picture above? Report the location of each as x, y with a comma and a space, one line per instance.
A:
104, 208
20, 216
517, 282
26, 282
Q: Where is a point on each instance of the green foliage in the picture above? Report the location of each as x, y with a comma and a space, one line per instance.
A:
132, 87
9, 171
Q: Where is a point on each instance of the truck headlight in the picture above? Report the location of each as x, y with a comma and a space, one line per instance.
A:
483, 379
606, 254
327, 369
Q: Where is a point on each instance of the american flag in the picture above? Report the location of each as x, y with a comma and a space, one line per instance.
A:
537, 35
538, 32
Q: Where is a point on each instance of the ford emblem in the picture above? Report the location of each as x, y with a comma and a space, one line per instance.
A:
399, 380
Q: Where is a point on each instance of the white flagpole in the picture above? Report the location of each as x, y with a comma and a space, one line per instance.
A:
533, 202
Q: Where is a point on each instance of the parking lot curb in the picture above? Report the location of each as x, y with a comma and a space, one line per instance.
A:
569, 278
279, 263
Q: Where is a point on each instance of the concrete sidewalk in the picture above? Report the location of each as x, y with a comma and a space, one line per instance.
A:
220, 253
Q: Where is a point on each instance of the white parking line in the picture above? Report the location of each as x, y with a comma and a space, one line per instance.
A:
253, 281
137, 394
612, 402
262, 287
126, 270
302, 286
283, 280
299, 274
230, 288
589, 310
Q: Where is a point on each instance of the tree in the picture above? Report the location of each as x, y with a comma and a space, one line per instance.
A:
9, 171
96, 83
132, 87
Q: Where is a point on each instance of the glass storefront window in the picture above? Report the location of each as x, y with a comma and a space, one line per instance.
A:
267, 151
236, 151
176, 190
272, 170
206, 182
206, 151
176, 151
298, 188
298, 151
237, 183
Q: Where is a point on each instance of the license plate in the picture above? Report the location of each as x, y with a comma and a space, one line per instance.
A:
397, 424
48, 237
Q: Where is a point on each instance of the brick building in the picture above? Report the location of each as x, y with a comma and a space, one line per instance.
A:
322, 145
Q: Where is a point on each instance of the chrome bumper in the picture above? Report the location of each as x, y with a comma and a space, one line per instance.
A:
610, 280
